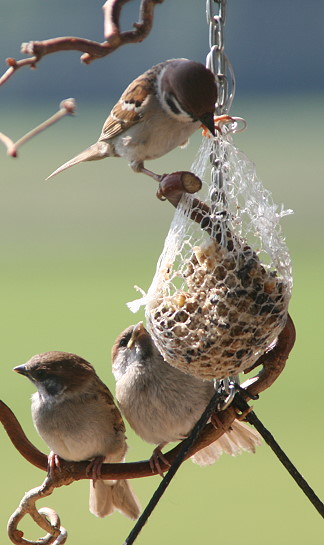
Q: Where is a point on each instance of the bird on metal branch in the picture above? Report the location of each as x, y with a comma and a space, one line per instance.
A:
158, 112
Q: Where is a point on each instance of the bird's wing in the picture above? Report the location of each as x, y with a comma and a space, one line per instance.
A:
116, 416
130, 108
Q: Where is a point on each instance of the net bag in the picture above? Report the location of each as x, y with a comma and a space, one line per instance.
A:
220, 293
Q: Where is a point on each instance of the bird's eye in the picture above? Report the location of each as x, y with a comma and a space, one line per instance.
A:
125, 340
40, 374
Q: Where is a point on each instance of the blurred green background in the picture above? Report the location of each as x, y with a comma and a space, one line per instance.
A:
73, 248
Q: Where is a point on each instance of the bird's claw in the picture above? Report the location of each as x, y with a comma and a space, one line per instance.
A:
155, 459
94, 468
54, 462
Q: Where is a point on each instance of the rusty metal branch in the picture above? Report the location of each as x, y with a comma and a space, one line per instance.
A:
92, 50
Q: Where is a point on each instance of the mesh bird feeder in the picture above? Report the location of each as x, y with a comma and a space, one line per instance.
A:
220, 294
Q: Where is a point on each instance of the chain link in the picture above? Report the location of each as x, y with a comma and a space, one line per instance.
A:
226, 389
216, 60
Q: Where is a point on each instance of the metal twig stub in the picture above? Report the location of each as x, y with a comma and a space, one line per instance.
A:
67, 107
45, 518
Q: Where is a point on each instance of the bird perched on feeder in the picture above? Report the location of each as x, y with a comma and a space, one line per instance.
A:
75, 414
157, 112
162, 404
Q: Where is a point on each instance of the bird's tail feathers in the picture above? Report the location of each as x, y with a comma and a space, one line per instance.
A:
107, 496
239, 439
125, 500
97, 151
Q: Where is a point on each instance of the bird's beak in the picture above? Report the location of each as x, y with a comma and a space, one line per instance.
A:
208, 121
138, 331
21, 369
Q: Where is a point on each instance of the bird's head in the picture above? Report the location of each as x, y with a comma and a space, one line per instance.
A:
134, 346
188, 92
56, 372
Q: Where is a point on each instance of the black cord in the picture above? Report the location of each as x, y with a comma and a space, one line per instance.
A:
187, 444
251, 417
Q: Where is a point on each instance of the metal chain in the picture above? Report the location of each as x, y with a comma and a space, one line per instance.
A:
219, 64
216, 60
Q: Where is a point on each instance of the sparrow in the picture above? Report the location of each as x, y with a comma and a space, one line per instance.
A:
75, 414
162, 404
157, 112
